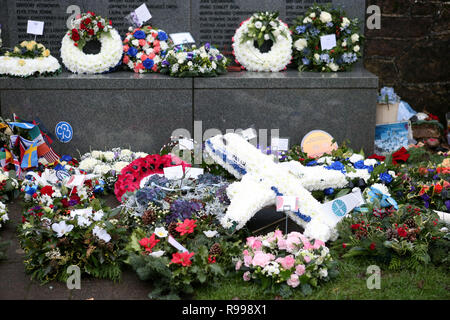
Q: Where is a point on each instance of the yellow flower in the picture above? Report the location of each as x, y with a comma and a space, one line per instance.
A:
30, 46
22, 62
16, 50
446, 162
46, 53
40, 46
33, 42
23, 43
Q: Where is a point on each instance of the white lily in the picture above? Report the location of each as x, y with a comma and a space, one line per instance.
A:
161, 232
157, 254
62, 228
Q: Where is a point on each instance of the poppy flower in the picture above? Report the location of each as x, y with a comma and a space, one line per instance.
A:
401, 155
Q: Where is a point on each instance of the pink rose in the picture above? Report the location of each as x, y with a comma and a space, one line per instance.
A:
278, 234
250, 241
257, 244
307, 259
247, 261
156, 49
287, 262
155, 68
126, 47
144, 57
142, 42
126, 41
126, 59
245, 252
282, 245
238, 264
293, 281
300, 269
246, 276
152, 55
262, 259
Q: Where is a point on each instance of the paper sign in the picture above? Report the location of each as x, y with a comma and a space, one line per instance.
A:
249, 134
328, 42
193, 172
174, 173
280, 144
76, 180
176, 244
181, 38
318, 142
286, 203
186, 144
35, 27
143, 14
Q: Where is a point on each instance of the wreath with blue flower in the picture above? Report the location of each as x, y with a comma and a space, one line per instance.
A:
144, 48
321, 21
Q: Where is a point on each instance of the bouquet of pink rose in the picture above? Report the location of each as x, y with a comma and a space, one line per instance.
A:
283, 262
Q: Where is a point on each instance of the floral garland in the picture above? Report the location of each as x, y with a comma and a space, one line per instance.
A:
284, 262
88, 27
321, 21
259, 28
144, 49
29, 59
182, 61
130, 177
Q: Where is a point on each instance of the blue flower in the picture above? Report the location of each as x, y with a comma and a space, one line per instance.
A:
359, 164
300, 29
336, 166
328, 191
132, 51
139, 34
66, 158
306, 61
162, 36
325, 57
148, 63
314, 32
329, 24
385, 177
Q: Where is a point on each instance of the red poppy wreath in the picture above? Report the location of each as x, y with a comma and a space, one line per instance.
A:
130, 177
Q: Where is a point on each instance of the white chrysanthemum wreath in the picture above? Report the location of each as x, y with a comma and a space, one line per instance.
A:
88, 27
253, 34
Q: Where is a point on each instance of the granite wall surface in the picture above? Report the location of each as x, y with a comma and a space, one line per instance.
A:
411, 52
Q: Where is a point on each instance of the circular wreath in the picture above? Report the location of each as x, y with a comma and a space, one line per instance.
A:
256, 32
144, 49
88, 27
320, 21
185, 61
130, 177
29, 59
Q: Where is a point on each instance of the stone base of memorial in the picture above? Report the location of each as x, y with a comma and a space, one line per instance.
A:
343, 104
141, 111
115, 110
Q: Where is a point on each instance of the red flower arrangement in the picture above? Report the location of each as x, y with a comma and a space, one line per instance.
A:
47, 190
401, 155
130, 177
183, 258
149, 243
187, 226
377, 157
402, 232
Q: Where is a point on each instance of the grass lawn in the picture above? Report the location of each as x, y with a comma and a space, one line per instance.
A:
429, 282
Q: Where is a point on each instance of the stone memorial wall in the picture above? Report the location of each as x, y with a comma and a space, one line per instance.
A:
213, 21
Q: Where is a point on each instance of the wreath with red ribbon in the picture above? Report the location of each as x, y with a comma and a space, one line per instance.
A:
130, 177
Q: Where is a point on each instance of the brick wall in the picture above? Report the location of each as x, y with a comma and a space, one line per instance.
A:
411, 52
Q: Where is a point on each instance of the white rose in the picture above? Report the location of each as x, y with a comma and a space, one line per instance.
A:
355, 37
333, 66
325, 17
300, 44
355, 158
344, 44
316, 56
356, 48
266, 37
258, 24
345, 23
312, 15
135, 42
307, 20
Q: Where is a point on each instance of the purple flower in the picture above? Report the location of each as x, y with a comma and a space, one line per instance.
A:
207, 46
219, 57
166, 63
211, 58
447, 204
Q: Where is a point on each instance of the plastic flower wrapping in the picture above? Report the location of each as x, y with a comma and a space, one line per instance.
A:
144, 48
284, 262
321, 21
185, 61
27, 59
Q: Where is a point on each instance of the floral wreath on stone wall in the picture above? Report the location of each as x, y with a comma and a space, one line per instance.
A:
254, 35
144, 49
320, 21
130, 177
185, 61
29, 59
85, 28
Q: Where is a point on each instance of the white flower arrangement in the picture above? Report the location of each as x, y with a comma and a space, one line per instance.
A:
77, 61
250, 57
3, 214
29, 59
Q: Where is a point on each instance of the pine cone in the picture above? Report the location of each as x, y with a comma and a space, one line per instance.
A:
390, 234
63, 242
410, 223
110, 247
102, 244
172, 229
215, 250
149, 217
